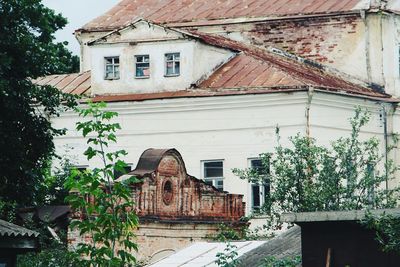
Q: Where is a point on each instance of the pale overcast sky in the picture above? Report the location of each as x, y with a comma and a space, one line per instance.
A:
78, 12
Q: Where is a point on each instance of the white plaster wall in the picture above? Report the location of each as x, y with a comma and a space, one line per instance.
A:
370, 52
127, 82
391, 56
83, 39
229, 128
196, 60
232, 128
330, 120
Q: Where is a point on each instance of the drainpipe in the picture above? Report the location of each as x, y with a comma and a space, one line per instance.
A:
310, 93
385, 136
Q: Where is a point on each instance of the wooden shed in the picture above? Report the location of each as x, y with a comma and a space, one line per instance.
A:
338, 238
15, 240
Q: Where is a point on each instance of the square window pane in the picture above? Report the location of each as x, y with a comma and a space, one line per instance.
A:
146, 71
142, 72
209, 182
169, 69
169, 57
213, 169
139, 59
220, 186
255, 192
139, 72
177, 68
109, 69
142, 65
267, 189
258, 166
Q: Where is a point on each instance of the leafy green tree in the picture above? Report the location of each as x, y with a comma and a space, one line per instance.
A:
51, 190
27, 51
105, 207
387, 229
348, 175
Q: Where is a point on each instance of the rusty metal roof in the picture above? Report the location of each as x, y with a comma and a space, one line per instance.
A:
173, 11
12, 230
286, 244
253, 70
260, 68
75, 83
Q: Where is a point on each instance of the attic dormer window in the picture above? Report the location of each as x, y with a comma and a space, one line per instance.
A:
172, 64
111, 68
142, 66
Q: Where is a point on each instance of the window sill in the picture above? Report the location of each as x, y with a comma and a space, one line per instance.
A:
111, 79
171, 75
142, 77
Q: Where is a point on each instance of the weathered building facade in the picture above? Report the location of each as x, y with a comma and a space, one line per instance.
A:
214, 81
174, 208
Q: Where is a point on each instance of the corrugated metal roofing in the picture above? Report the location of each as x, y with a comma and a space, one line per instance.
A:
260, 68
172, 11
204, 254
75, 83
12, 230
252, 71
250, 253
287, 244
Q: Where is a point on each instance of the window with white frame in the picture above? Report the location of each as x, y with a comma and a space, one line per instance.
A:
111, 71
142, 63
172, 64
213, 173
259, 190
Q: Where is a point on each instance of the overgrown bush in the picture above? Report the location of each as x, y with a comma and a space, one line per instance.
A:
349, 175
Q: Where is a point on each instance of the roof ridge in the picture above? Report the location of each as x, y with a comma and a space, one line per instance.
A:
164, 11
